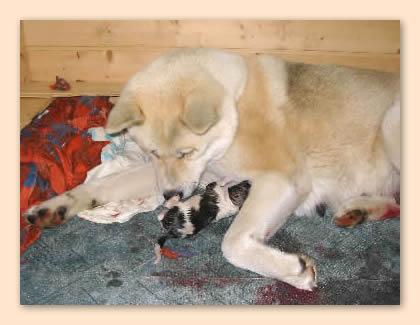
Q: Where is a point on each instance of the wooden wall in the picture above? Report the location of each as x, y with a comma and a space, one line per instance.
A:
97, 57
111, 51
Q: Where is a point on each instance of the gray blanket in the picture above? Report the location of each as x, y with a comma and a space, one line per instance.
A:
84, 263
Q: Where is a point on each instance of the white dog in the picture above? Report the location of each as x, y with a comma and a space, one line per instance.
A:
303, 134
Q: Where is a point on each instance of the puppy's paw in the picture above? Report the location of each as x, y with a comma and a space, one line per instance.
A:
58, 210
306, 278
158, 254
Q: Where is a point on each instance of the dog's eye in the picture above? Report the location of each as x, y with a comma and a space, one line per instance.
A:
183, 153
154, 153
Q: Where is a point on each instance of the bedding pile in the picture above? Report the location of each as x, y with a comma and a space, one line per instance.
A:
56, 152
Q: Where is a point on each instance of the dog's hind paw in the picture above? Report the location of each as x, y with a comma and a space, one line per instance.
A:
350, 218
366, 208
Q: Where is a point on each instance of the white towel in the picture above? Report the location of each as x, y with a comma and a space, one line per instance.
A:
120, 154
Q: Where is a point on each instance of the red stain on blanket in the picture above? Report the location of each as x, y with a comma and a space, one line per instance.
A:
195, 282
198, 282
56, 151
192, 282
282, 293
175, 253
392, 211
169, 253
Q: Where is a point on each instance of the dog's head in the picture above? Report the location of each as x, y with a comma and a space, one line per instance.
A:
180, 113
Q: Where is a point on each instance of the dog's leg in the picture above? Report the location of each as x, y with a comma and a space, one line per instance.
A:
133, 183
364, 208
271, 200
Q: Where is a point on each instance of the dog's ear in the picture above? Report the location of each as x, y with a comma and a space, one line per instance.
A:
201, 109
124, 114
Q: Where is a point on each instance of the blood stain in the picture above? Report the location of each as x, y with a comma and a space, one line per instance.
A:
282, 293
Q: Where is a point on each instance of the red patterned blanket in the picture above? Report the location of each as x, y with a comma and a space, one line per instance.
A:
56, 152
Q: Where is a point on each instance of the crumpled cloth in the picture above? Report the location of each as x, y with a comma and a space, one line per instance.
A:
122, 153
56, 151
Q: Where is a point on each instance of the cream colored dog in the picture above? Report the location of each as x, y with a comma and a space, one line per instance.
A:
303, 134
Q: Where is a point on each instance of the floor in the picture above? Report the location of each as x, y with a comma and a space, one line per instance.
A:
82, 263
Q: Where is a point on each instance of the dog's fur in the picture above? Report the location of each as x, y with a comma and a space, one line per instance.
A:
303, 134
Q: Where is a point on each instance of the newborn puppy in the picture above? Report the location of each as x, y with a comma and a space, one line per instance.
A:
185, 219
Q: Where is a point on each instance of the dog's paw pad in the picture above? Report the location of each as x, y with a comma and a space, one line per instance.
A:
36, 215
61, 212
44, 217
350, 218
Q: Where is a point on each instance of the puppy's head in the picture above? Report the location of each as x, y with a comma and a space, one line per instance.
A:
229, 199
175, 110
239, 193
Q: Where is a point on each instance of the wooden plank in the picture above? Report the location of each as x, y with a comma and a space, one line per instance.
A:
25, 74
29, 107
373, 36
36, 89
380, 62
102, 65
94, 65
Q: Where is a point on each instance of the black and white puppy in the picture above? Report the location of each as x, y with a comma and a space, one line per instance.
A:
185, 219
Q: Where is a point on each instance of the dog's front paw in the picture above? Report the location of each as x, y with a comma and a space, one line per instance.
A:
306, 279
58, 210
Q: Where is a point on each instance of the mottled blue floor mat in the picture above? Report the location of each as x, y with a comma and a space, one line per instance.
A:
84, 263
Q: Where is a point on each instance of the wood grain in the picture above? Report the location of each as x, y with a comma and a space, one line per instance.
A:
373, 36
25, 74
98, 56
102, 51
30, 107
119, 64
39, 89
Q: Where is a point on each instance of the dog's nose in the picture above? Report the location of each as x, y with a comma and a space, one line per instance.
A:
168, 194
